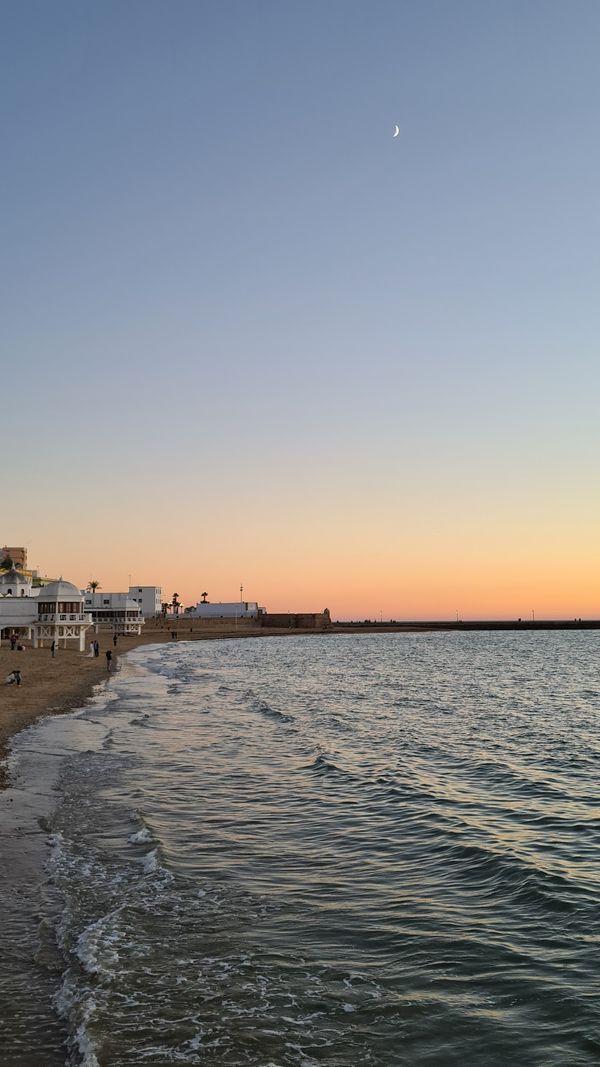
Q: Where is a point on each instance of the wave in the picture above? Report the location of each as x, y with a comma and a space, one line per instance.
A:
140, 720
262, 708
439, 850
130, 934
141, 837
323, 765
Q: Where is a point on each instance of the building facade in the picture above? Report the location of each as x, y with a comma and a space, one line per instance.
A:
117, 610
14, 583
61, 615
148, 598
55, 612
17, 555
240, 609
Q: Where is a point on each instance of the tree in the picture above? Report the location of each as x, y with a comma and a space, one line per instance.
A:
94, 584
165, 607
7, 564
175, 603
204, 596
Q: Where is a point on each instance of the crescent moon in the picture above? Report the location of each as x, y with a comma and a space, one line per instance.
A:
396, 131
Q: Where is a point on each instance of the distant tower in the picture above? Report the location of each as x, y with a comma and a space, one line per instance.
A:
18, 555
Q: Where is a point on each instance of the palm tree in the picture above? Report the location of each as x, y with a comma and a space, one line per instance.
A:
175, 604
94, 584
204, 596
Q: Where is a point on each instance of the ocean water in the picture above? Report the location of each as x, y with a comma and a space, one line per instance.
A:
340, 850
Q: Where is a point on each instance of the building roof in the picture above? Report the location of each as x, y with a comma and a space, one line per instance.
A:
12, 577
60, 590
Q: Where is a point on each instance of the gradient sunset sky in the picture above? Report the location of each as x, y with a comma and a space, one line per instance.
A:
250, 337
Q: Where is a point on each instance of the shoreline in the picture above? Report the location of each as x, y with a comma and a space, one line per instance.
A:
67, 682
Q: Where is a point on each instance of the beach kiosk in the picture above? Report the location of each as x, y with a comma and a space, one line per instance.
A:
61, 615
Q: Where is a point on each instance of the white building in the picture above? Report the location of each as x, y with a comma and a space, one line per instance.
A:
15, 584
18, 606
55, 612
149, 599
118, 610
240, 609
61, 615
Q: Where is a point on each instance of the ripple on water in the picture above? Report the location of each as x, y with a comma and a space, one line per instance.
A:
363, 850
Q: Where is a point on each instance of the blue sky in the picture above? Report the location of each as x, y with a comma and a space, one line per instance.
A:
209, 229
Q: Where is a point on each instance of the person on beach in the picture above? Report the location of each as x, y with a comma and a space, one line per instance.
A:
13, 641
53, 649
92, 651
115, 640
108, 659
96, 648
14, 678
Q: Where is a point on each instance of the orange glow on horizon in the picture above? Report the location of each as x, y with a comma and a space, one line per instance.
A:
486, 575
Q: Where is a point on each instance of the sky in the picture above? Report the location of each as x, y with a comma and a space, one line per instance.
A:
249, 337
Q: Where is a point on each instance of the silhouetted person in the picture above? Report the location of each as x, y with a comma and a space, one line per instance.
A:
115, 640
53, 649
96, 648
13, 641
108, 659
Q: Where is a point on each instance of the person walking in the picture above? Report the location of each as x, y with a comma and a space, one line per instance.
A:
96, 648
53, 649
13, 641
115, 640
108, 659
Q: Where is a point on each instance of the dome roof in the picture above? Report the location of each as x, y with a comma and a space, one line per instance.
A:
60, 590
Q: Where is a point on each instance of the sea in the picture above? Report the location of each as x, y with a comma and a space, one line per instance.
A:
361, 849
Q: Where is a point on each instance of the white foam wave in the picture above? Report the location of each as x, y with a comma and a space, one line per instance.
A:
140, 837
95, 947
150, 861
77, 1013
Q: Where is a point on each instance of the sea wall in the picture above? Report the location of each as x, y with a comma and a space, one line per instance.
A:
288, 620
